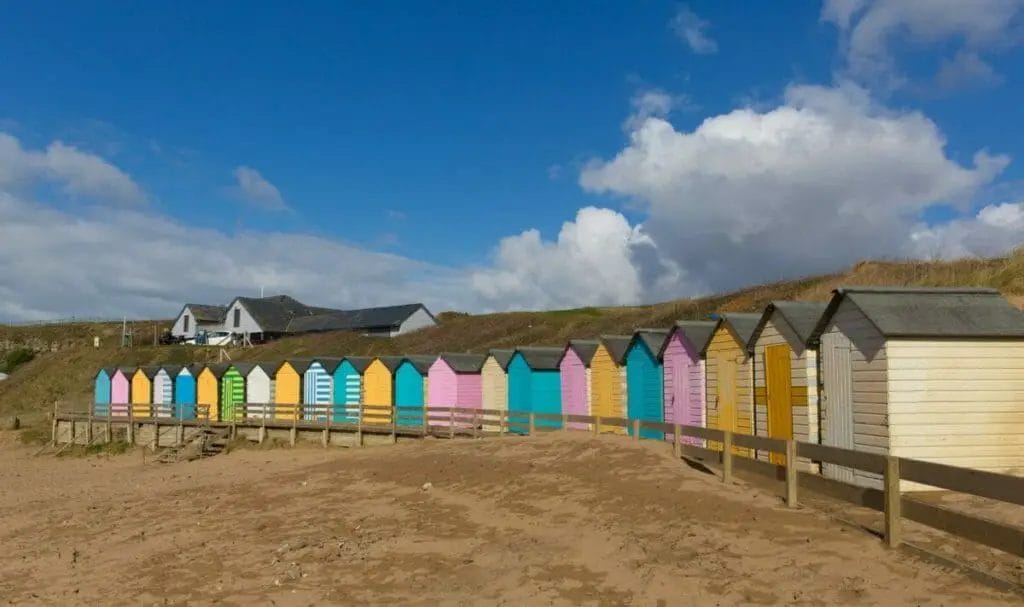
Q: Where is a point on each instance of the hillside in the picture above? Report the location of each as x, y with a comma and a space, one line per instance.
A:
65, 370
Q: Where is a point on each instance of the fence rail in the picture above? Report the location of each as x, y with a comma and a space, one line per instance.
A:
452, 421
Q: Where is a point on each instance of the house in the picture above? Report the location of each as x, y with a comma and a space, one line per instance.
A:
378, 387
928, 374
683, 374
259, 389
232, 392
643, 379
574, 369
608, 380
288, 388
318, 388
121, 390
261, 318
411, 387
534, 386
494, 386
163, 390
101, 392
728, 393
455, 382
185, 393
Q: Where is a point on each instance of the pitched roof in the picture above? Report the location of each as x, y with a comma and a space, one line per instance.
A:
108, 370
218, 369
328, 363
502, 357
540, 358
801, 316
300, 364
171, 369
389, 317
149, 372
584, 348
243, 368
359, 362
126, 371
742, 325
390, 362
617, 346
421, 362
464, 363
274, 313
207, 313
696, 332
654, 339
267, 367
920, 312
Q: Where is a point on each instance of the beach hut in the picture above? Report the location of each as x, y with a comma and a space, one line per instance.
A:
163, 390
348, 387
258, 393
318, 389
644, 391
534, 385
730, 401
683, 374
455, 382
288, 389
208, 390
121, 390
929, 374
494, 385
378, 387
575, 373
786, 376
185, 392
101, 392
608, 380
411, 387
232, 392
142, 391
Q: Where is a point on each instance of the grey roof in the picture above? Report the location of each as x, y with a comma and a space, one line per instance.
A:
919, 312
654, 339
328, 363
421, 362
584, 348
391, 362
269, 368
149, 372
742, 325
359, 362
108, 370
801, 316
171, 369
617, 346
541, 358
126, 371
207, 313
387, 317
274, 313
464, 363
696, 332
300, 364
218, 369
503, 357
243, 368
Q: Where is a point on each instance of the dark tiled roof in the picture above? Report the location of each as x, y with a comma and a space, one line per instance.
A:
243, 368
388, 317
696, 332
940, 313
329, 364
218, 369
149, 372
542, 359
269, 368
584, 348
205, 313
464, 363
502, 357
273, 314
390, 362
617, 346
801, 316
654, 339
359, 362
108, 370
171, 370
300, 364
742, 325
421, 362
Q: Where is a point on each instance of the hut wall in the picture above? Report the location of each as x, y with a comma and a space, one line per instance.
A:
287, 392
520, 393
546, 395
207, 393
574, 387
409, 392
184, 395
258, 392
232, 399
377, 390
101, 394
494, 391
443, 390
607, 388
316, 392
142, 394
726, 357
163, 393
683, 386
348, 390
644, 393
469, 390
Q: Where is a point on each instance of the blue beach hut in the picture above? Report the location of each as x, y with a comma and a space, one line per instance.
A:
101, 393
348, 386
185, 392
535, 385
644, 394
411, 388
317, 389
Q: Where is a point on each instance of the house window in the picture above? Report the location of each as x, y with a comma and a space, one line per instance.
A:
186, 323
238, 317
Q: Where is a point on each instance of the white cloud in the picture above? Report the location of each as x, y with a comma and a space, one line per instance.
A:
994, 230
690, 28
821, 180
964, 69
869, 29
596, 259
78, 173
256, 190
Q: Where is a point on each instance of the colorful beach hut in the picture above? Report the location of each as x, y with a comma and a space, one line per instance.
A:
730, 400
101, 392
318, 388
455, 382
142, 391
928, 374
232, 392
411, 388
786, 376
644, 391
608, 380
288, 389
208, 390
494, 385
575, 375
348, 387
163, 390
683, 374
121, 391
378, 387
185, 392
534, 385
258, 389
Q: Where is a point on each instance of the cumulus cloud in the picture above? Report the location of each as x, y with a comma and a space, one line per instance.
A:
77, 173
257, 190
994, 230
966, 69
690, 28
823, 179
870, 27
597, 259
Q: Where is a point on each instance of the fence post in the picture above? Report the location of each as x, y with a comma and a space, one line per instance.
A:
597, 424
131, 425
156, 434
394, 424
295, 423
677, 440
88, 429
359, 426
501, 422
892, 501
726, 456
451, 422
426, 422
636, 429
533, 423
262, 435
328, 414
53, 439
565, 421
792, 474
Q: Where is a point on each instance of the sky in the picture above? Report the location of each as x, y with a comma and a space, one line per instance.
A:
481, 156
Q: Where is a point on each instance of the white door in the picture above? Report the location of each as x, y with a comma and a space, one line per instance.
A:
837, 401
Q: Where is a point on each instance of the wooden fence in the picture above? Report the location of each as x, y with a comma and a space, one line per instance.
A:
459, 421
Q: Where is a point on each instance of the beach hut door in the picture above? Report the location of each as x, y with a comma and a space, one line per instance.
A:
838, 400
727, 393
780, 398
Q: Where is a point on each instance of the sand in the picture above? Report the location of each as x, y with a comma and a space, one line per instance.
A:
560, 519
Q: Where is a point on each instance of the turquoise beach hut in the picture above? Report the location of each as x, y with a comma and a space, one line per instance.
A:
348, 386
535, 385
411, 388
101, 391
644, 394
185, 392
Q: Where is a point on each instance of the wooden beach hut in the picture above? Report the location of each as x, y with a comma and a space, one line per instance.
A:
208, 390
608, 380
163, 390
455, 382
786, 376
101, 392
348, 387
378, 387
534, 385
644, 391
575, 374
318, 388
258, 392
929, 374
288, 389
411, 388
494, 385
683, 374
730, 399
185, 392
142, 391
232, 392
121, 390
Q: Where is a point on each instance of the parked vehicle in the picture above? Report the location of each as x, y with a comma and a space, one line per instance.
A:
211, 338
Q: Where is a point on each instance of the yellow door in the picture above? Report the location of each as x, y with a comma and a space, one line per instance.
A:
142, 394
377, 392
207, 393
287, 393
726, 392
778, 380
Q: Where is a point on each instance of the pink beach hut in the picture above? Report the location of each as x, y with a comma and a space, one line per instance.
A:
574, 368
683, 371
120, 391
454, 381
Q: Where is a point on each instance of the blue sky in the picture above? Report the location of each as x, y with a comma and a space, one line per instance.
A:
431, 131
